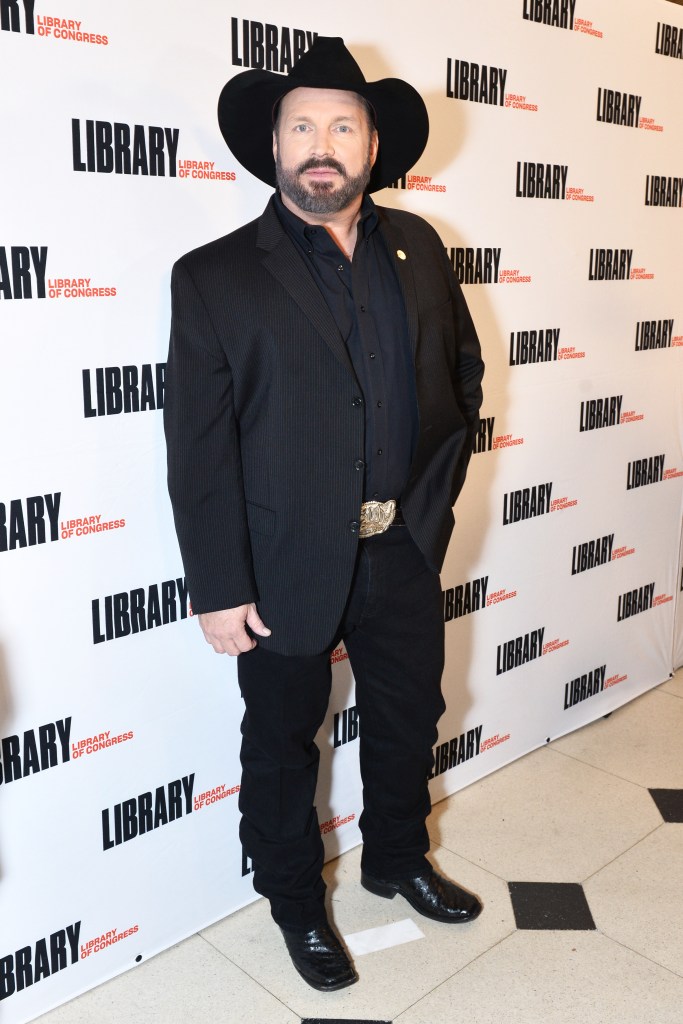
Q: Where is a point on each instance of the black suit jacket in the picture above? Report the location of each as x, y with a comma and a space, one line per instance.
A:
264, 423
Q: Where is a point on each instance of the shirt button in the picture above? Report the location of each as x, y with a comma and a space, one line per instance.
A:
379, 451
376, 495
354, 526
340, 267
359, 464
362, 309
372, 355
357, 401
379, 405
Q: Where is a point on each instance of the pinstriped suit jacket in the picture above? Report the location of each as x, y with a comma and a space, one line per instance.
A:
264, 424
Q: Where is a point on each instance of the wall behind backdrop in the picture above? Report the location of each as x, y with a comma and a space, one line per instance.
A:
554, 175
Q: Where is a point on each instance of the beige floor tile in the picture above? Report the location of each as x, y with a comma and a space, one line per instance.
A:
640, 742
555, 978
543, 818
188, 984
390, 980
638, 900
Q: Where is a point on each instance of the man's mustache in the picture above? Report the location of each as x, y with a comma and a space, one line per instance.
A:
327, 164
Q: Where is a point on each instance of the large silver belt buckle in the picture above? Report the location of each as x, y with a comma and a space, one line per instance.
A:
376, 517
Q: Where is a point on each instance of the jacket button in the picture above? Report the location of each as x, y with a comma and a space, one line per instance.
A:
359, 464
357, 401
354, 526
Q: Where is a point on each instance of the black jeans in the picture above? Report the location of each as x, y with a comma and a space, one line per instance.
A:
393, 631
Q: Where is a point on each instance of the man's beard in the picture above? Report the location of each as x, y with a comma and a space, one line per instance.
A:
321, 197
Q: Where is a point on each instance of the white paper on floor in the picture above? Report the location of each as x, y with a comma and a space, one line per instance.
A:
374, 939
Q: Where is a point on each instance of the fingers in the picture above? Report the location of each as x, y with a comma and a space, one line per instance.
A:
256, 623
230, 641
225, 630
234, 645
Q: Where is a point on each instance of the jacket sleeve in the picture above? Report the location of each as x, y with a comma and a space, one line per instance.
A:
466, 374
204, 464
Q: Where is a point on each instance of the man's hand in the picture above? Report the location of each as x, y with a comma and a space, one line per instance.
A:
225, 630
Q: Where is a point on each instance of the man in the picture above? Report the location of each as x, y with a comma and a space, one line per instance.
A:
323, 388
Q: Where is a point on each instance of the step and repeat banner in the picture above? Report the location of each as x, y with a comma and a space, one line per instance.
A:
554, 174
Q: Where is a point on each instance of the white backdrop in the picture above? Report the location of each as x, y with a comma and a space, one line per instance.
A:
119, 727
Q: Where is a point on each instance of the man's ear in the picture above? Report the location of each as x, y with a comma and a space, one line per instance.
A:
274, 144
374, 147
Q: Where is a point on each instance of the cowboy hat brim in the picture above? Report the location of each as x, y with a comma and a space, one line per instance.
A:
247, 103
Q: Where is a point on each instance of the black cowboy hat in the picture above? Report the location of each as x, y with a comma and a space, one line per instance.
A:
247, 103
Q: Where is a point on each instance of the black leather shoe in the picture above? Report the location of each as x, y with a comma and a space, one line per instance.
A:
430, 894
319, 958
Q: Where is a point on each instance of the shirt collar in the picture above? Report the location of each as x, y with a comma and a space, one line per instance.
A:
300, 229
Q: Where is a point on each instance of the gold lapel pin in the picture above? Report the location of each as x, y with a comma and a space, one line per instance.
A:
401, 255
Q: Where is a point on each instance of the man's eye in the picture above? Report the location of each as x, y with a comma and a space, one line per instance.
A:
301, 128
343, 128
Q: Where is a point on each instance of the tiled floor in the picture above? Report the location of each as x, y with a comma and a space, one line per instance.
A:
577, 813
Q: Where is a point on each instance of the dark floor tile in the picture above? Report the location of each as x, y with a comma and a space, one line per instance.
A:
669, 803
550, 905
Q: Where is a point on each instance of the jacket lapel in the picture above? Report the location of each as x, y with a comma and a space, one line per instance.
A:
396, 243
285, 263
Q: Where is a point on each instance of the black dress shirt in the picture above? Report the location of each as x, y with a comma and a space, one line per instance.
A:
364, 297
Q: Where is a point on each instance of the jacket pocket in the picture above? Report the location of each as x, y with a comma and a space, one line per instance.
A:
260, 519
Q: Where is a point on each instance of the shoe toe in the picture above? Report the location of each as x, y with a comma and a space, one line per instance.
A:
320, 958
431, 895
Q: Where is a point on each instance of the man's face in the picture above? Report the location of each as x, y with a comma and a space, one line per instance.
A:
324, 149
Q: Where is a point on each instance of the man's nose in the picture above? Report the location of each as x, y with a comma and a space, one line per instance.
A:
323, 144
